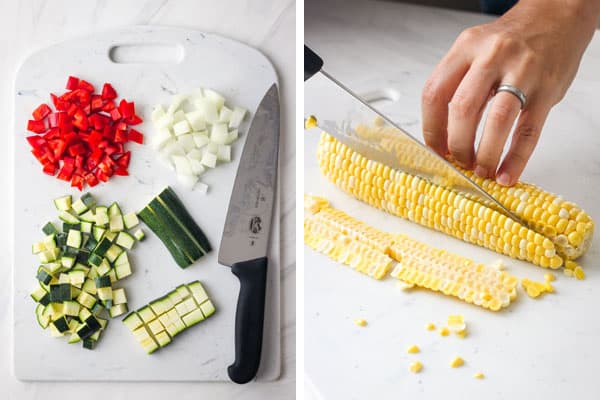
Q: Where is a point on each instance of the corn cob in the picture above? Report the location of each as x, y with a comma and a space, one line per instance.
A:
372, 252
557, 230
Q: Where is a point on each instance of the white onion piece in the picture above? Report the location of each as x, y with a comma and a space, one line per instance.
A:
187, 142
212, 148
157, 113
208, 110
181, 127
176, 103
225, 115
160, 138
209, 159
182, 165
201, 139
224, 153
178, 116
237, 116
202, 187
196, 154
196, 120
232, 136
188, 181
197, 167
219, 134
215, 97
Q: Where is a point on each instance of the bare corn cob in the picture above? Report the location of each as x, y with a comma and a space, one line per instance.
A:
369, 250
567, 227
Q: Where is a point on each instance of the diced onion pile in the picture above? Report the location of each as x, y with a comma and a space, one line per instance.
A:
195, 133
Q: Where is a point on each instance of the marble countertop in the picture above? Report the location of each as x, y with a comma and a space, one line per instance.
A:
545, 348
269, 26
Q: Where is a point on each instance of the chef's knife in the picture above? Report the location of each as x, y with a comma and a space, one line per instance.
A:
361, 128
245, 241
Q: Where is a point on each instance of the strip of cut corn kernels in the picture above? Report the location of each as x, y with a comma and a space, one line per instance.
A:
567, 228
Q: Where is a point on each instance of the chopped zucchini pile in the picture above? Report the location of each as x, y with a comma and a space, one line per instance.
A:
157, 323
167, 217
80, 262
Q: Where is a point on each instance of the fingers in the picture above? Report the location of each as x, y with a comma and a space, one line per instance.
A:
525, 138
437, 93
500, 119
465, 110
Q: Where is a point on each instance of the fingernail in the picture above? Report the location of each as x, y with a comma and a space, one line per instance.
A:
504, 179
481, 171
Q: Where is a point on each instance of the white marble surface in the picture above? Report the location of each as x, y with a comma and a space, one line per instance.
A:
536, 349
268, 26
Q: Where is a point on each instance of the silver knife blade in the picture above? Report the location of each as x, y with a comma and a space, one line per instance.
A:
248, 221
378, 138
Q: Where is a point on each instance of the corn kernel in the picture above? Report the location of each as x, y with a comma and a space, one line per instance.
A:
430, 326
579, 273
568, 272
444, 331
462, 334
311, 122
360, 322
549, 277
478, 375
570, 264
457, 362
415, 367
413, 349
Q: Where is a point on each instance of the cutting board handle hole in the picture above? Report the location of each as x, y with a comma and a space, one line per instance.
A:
152, 53
381, 97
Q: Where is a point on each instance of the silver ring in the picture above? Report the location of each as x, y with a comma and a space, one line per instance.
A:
514, 90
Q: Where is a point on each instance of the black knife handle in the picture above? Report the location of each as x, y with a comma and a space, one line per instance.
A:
312, 63
249, 318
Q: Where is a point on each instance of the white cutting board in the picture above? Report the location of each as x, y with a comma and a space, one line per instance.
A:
534, 348
203, 352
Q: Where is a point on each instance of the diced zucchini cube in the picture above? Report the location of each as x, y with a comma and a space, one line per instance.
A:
122, 259
74, 238
67, 217
71, 308
54, 332
38, 294
86, 300
61, 324
116, 223
207, 308
112, 275
102, 247
95, 259
49, 229
117, 310
89, 343
74, 338
110, 235
105, 293
38, 247
125, 240
60, 292
102, 216
98, 233
119, 296
104, 267
132, 321
84, 314
77, 278
79, 206
163, 338
63, 203
89, 286
86, 227
155, 327
122, 270
113, 252
102, 282
44, 276
139, 235
98, 308
192, 318
130, 220
67, 262
209, 159
88, 216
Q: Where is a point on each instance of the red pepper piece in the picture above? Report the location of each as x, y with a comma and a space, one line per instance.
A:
121, 136
85, 85
123, 161
108, 92
36, 141
49, 168
58, 147
136, 136
94, 138
36, 126
127, 109
109, 106
115, 114
41, 112
101, 175
72, 83
91, 179
77, 150
134, 120
96, 102
77, 181
66, 172
121, 171
80, 120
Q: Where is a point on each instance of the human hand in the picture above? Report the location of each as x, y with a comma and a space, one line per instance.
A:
536, 47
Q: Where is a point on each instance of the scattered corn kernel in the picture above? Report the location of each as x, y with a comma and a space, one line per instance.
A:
430, 326
457, 362
415, 367
579, 273
405, 285
549, 277
360, 322
570, 264
311, 122
456, 323
444, 331
462, 334
478, 375
413, 349
535, 289
568, 272
499, 265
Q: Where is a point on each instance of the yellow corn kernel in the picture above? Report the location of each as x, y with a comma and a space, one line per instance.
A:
311, 122
360, 322
430, 326
568, 272
415, 367
462, 334
579, 273
457, 362
478, 375
549, 277
444, 331
413, 349
568, 229
456, 323
405, 285
570, 264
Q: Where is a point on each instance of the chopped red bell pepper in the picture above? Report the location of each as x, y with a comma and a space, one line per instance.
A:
83, 139
41, 112
72, 83
108, 92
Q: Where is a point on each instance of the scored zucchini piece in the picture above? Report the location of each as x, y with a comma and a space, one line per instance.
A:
193, 318
207, 308
132, 321
63, 203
